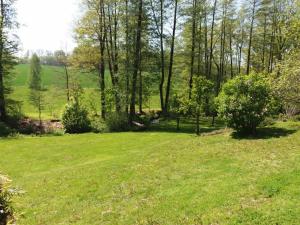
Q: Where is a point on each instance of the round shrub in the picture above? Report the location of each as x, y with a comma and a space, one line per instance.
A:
243, 102
75, 119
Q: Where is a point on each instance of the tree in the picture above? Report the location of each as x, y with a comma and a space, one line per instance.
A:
62, 59
243, 102
36, 96
286, 86
170, 74
253, 13
202, 90
137, 61
8, 47
75, 116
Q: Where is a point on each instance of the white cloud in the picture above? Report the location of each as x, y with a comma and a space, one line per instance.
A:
46, 24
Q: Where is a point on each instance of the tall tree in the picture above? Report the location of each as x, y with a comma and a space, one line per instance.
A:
8, 48
253, 12
137, 61
170, 74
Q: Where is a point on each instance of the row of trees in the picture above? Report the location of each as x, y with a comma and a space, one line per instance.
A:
178, 41
172, 48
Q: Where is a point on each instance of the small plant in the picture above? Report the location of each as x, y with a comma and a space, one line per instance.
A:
75, 117
6, 209
244, 102
117, 122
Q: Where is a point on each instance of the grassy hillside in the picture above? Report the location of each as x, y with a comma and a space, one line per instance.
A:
55, 97
53, 76
163, 178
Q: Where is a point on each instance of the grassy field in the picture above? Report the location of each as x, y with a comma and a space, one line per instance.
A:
55, 94
157, 177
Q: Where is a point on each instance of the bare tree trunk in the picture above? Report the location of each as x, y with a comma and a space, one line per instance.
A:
251, 36
127, 59
67, 82
200, 54
137, 61
162, 56
166, 108
140, 86
231, 52
101, 69
193, 48
212, 39
206, 45
2, 97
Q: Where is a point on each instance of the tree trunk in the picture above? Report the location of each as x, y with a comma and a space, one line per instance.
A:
162, 56
251, 36
137, 61
193, 48
2, 97
127, 60
212, 39
101, 69
166, 108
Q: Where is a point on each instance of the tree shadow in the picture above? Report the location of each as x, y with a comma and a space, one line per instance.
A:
186, 126
265, 133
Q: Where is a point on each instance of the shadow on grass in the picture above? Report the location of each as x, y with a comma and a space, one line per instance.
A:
265, 133
186, 126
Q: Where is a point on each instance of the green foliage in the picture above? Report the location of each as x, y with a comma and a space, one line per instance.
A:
286, 83
117, 122
75, 119
202, 89
98, 125
243, 102
6, 194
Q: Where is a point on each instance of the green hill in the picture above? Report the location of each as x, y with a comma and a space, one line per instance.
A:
53, 79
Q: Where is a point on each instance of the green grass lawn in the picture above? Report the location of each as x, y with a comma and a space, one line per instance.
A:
157, 177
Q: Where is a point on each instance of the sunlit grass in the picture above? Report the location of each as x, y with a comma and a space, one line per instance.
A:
157, 177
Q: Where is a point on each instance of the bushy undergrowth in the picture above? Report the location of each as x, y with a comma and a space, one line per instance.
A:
5, 131
98, 125
117, 122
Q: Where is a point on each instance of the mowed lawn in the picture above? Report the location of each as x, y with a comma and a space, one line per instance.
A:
156, 178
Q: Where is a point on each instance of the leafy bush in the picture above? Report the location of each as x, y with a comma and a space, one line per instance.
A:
116, 122
243, 102
285, 84
75, 119
6, 209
